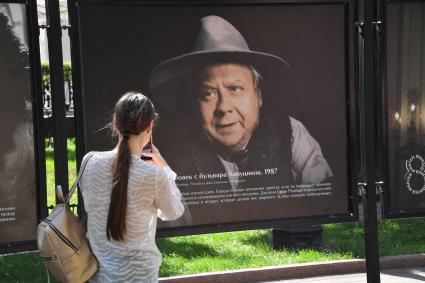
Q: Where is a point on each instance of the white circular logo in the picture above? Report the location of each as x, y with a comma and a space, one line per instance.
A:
415, 166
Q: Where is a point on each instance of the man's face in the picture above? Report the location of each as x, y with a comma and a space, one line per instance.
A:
229, 104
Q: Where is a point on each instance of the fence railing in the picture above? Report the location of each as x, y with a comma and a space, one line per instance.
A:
69, 100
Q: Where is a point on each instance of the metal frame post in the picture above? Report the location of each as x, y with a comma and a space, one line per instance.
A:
40, 155
79, 120
54, 33
369, 100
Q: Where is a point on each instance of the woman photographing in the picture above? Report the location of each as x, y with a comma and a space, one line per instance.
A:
124, 195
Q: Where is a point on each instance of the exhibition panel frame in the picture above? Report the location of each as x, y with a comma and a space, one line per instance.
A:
22, 167
129, 69
400, 108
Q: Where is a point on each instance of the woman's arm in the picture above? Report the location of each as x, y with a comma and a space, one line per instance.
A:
168, 197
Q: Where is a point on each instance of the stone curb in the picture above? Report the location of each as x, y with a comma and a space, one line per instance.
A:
294, 271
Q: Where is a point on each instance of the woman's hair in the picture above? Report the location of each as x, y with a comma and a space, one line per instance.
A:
133, 114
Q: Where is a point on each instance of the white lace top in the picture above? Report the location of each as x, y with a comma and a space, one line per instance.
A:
151, 193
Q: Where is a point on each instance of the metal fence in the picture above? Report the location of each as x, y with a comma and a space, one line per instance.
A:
48, 127
69, 100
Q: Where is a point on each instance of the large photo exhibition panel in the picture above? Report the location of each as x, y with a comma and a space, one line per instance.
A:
405, 87
252, 102
18, 201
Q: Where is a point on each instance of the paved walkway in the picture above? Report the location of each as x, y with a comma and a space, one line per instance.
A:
410, 275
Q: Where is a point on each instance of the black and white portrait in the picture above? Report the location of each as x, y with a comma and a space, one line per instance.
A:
252, 101
220, 82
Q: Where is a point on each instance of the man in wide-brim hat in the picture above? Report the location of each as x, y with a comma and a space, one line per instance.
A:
223, 84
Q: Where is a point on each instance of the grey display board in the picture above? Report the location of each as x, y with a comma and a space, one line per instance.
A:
18, 181
404, 89
296, 135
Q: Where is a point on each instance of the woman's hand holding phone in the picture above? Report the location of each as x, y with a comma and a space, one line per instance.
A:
156, 157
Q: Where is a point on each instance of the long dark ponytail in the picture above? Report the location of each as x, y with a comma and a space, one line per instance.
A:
133, 114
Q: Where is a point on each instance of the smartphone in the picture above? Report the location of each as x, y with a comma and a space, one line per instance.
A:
147, 148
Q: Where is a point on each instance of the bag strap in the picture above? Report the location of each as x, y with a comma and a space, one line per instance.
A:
59, 194
80, 173
59, 191
48, 274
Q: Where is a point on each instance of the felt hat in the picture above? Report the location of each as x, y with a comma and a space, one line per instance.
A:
217, 41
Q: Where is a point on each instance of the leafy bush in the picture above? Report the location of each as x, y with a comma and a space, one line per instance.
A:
45, 72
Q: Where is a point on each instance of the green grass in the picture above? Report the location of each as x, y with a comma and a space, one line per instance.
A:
236, 250
50, 170
232, 250
24, 267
